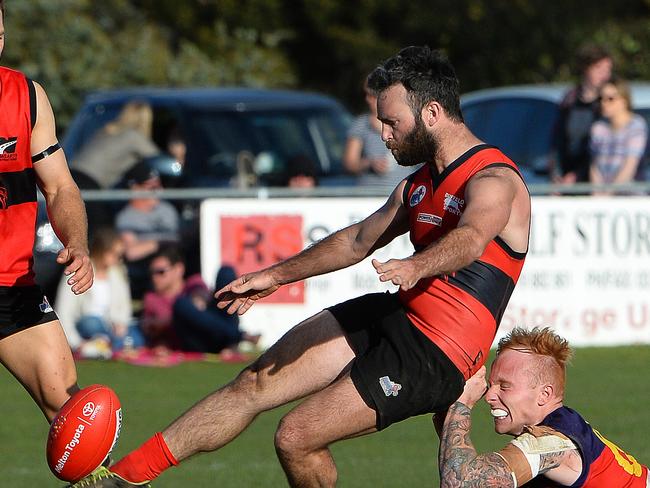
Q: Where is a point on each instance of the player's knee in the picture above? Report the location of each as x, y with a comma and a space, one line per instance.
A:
52, 400
290, 440
249, 383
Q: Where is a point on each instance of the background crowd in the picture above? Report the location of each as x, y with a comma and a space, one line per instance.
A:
148, 295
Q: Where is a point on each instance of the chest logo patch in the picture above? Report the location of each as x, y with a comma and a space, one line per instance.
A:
429, 219
8, 148
417, 195
453, 204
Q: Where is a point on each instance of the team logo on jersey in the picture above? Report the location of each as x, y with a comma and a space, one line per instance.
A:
453, 204
417, 195
45, 306
390, 388
429, 219
8, 148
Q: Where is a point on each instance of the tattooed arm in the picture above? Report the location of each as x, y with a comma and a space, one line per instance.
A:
551, 454
460, 465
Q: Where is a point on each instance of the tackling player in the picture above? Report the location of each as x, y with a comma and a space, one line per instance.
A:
552, 445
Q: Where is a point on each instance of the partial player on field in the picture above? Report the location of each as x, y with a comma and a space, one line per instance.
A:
33, 346
552, 446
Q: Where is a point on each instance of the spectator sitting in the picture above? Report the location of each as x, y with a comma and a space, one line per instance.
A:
100, 319
619, 139
578, 111
366, 154
200, 325
167, 276
144, 224
116, 147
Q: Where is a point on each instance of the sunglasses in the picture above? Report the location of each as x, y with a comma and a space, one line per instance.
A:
609, 98
159, 271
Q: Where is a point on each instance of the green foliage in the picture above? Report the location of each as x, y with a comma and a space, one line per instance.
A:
73, 46
609, 386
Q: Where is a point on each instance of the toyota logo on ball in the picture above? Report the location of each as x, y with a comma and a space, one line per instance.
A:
88, 409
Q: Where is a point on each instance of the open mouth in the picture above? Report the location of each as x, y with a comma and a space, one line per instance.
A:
498, 413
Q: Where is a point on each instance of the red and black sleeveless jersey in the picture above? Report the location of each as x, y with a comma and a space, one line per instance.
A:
460, 312
17, 179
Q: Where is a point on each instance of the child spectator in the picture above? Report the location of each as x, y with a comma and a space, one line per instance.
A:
100, 321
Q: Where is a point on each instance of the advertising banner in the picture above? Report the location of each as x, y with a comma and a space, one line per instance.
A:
587, 274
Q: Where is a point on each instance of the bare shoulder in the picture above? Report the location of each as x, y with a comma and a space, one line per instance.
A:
42, 100
501, 173
494, 182
44, 133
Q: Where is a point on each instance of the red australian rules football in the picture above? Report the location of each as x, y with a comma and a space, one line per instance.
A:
84, 432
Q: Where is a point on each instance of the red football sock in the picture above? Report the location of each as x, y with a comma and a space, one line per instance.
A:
147, 462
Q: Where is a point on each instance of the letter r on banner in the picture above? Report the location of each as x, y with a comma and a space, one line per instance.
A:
249, 243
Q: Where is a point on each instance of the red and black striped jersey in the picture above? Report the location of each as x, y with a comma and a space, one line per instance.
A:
459, 312
17, 179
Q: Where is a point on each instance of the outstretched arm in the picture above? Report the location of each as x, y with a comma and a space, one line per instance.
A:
339, 250
64, 204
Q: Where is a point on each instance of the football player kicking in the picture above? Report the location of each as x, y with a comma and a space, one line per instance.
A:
553, 445
378, 359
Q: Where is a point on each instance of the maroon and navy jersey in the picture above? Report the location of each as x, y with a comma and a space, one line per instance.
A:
17, 179
604, 464
459, 312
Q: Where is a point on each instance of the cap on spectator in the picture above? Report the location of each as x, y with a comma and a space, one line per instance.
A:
140, 173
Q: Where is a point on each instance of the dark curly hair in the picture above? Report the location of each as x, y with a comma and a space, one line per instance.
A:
426, 74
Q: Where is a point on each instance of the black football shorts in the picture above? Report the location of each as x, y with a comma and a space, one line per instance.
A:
398, 371
22, 307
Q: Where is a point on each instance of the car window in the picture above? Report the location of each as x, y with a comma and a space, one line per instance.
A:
521, 127
218, 138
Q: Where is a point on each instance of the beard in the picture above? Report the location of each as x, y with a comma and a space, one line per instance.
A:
419, 146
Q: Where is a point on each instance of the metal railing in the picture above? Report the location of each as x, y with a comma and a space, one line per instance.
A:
262, 193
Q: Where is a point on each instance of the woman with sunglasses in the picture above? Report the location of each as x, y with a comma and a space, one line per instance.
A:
618, 140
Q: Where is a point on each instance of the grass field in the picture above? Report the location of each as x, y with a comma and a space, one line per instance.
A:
609, 386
